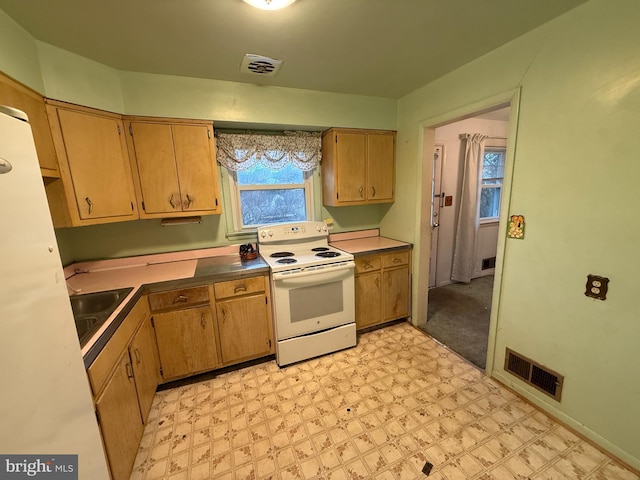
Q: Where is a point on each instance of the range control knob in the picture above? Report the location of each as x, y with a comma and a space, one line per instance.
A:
324, 228
271, 233
263, 234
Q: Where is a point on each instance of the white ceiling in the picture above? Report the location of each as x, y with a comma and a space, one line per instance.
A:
384, 48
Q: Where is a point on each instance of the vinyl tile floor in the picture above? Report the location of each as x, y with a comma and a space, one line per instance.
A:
381, 410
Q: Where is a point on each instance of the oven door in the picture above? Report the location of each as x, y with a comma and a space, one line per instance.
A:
314, 299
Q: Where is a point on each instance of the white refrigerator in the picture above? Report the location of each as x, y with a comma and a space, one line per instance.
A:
45, 399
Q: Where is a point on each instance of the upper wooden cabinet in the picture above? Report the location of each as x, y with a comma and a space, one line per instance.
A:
174, 166
96, 182
16, 95
358, 166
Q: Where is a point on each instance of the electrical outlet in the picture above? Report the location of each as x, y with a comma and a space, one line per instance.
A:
597, 287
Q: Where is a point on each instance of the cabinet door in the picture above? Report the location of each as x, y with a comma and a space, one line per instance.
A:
17, 96
350, 165
156, 167
120, 421
98, 165
243, 326
145, 366
368, 299
380, 167
186, 342
397, 288
197, 169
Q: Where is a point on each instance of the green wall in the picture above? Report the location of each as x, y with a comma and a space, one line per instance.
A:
75, 79
575, 179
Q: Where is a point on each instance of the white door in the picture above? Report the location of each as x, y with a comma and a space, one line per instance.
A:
437, 197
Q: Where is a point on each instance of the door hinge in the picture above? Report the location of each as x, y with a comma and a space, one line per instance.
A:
337, 196
216, 202
118, 129
266, 301
143, 206
161, 372
98, 416
130, 130
269, 343
153, 323
132, 206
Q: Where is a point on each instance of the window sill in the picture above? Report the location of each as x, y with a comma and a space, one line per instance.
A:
489, 221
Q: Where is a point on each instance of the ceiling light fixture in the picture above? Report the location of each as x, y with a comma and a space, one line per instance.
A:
270, 4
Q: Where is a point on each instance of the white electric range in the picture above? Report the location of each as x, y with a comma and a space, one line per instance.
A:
313, 290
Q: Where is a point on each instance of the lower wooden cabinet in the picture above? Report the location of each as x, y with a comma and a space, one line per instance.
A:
185, 334
186, 342
144, 360
382, 287
123, 378
244, 319
119, 417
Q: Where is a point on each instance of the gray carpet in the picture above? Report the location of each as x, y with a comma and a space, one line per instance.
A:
458, 316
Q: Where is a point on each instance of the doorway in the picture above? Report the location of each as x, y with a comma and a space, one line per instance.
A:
458, 314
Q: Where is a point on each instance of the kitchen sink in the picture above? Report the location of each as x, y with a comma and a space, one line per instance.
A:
91, 310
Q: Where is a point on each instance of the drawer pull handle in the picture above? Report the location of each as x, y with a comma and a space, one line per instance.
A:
397, 260
189, 200
361, 191
181, 299
224, 314
373, 191
240, 288
367, 266
377, 282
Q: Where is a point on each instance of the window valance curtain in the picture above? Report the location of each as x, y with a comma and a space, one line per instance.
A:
240, 151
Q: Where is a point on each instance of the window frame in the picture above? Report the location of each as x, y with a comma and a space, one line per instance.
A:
503, 150
236, 204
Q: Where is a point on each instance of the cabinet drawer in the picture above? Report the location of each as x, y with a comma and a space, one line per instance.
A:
236, 288
368, 263
176, 299
395, 259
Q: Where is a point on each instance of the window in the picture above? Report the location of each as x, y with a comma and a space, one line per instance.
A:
265, 196
491, 186
270, 176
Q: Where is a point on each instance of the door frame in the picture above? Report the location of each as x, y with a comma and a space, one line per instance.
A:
426, 145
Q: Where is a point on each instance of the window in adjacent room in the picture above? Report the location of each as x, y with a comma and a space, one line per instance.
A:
271, 176
491, 184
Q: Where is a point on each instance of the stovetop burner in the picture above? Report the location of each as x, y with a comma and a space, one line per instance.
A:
281, 255
320, 249
286, 260
327, 254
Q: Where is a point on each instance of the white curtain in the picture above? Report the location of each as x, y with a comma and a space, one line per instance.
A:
240, 151
468, 222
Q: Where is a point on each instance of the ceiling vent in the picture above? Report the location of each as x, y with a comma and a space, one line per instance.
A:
542, 378
259, 65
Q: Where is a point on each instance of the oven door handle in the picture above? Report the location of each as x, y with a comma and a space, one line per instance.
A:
309, 277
